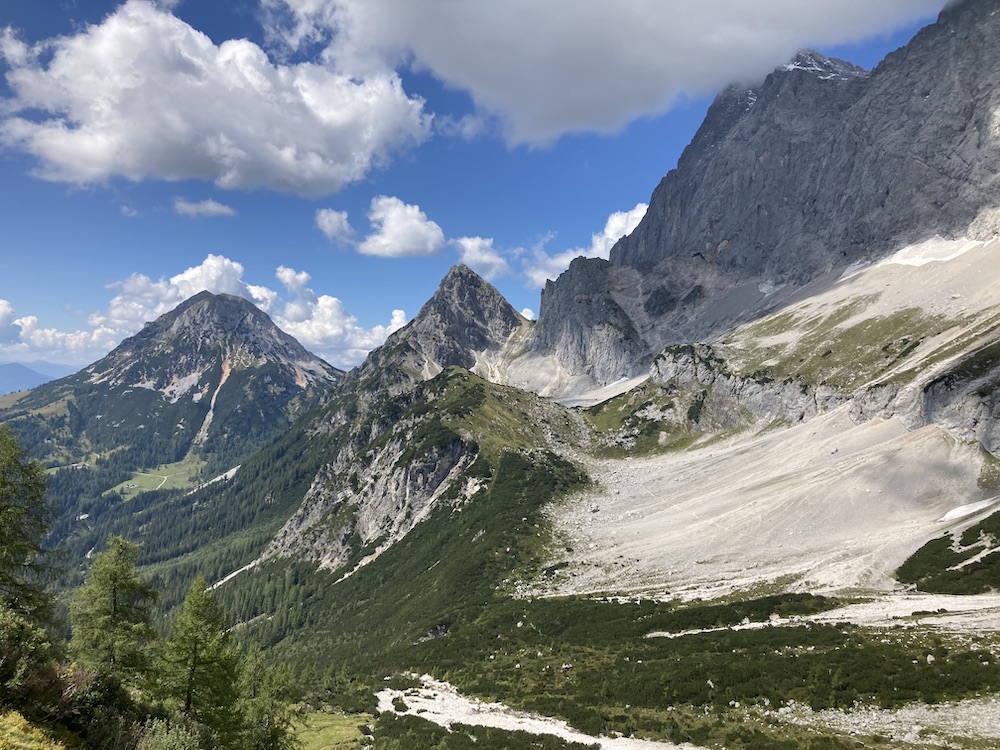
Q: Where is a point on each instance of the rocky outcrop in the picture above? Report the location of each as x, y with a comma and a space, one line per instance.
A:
819, 166
369, 497
390, 470
731, 400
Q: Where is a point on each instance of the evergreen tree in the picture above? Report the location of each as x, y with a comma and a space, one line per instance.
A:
200, 666
28, 678
24, 520
111, 616
268, 717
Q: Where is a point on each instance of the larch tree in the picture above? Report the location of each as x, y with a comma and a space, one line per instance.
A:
268, 717
111, 615
199, 667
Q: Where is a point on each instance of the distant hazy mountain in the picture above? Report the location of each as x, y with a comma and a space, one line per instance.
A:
52, 369
18, 377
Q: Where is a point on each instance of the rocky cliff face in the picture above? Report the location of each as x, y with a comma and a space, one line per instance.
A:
819, 166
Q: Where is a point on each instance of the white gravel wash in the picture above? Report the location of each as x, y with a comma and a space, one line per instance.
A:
441, 703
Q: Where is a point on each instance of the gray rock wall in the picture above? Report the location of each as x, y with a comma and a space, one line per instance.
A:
818, 166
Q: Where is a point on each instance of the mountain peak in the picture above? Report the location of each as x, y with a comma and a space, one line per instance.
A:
823, 67
471, 312
464, 319
202, 332
819, 166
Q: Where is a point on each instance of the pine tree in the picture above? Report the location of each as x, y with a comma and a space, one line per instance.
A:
24, 520
199, 667
111, 615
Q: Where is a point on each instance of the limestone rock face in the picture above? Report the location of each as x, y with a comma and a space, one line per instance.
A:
819, 166
375, 488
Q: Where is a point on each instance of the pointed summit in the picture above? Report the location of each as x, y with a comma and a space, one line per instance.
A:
201, 331
465, 320
823, 67
468, 315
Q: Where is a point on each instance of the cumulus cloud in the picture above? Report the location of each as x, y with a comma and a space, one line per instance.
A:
335, 335
400, 230
334, 225
204, 208
35, 341
322, 324
8, 331
144, 95
540, 265
319, 322
563, 66
479, 254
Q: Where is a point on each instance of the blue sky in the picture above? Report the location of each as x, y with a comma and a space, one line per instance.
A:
330, 159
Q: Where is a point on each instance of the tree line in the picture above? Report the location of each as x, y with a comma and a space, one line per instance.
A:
117, 682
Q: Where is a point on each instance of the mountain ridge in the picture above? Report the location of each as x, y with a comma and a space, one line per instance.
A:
812, 175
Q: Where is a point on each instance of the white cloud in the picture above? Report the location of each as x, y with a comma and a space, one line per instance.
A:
400, 230
129, 211
204, 208
560, 66
8, 331
335, 335
141, 299
319, 322
467, 127
528, 313
479, 254
334, 225
37, 342
322, 325
541, 266
144, 95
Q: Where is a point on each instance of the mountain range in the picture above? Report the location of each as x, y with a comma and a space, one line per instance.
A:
710, 481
